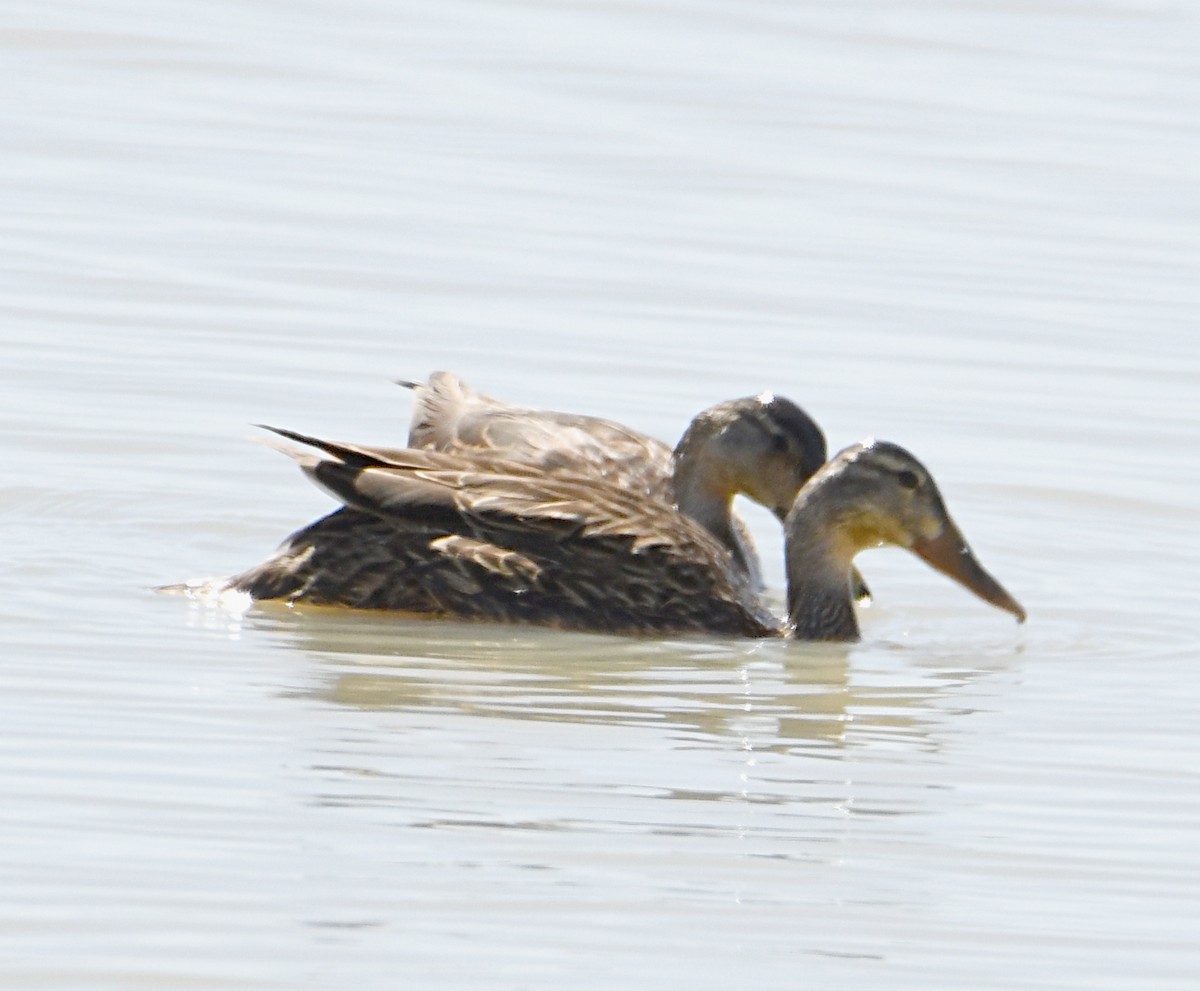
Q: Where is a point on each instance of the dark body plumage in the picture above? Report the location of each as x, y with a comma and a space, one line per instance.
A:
476, 537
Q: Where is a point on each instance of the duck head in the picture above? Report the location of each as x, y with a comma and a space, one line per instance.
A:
764, 447
869, 495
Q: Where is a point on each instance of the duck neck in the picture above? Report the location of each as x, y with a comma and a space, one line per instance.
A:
819, 600
705, 497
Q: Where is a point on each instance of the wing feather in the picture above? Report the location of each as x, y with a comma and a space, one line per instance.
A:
473, 535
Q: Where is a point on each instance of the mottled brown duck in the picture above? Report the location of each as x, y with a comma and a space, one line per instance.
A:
764, 447
470, 536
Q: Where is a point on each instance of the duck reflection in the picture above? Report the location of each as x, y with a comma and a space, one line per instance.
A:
775, 695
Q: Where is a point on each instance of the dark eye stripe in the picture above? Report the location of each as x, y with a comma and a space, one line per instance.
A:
789, 425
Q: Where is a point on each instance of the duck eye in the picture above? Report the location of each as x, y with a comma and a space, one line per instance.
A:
779, 443
907, 479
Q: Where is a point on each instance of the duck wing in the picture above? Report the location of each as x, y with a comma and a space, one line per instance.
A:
477, 537
450, 416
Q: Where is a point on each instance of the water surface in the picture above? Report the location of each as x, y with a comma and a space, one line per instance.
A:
967, 228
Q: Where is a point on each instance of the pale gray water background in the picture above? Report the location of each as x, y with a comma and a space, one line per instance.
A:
968, 227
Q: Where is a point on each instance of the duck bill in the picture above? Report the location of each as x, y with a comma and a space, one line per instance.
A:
950, 555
